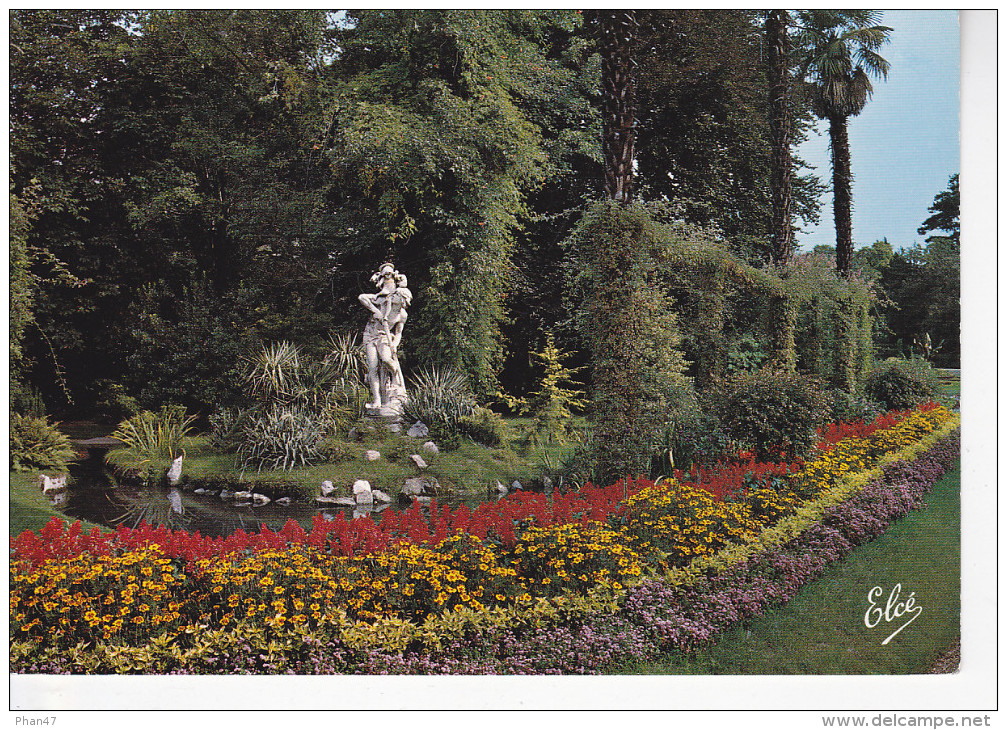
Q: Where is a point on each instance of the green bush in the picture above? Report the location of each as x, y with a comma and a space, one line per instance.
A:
36, 445
282, 437
774, 413
694, 436
900, 384
485, 427
151, 441
845, 406
440, 398
114, 402
745, 353
701, 440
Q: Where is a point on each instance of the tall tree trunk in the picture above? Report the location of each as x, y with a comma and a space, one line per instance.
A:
778, 48
842, 180
618, 29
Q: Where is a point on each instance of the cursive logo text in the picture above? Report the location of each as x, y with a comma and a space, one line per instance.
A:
894, 609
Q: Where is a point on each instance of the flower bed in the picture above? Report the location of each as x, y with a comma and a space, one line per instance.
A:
417, 593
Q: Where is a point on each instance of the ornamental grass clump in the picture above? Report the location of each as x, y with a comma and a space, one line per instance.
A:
282, 437
151, 441
440, 397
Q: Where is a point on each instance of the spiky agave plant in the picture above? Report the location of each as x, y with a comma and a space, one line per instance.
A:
440, 397
282, 437
274, 374
151, 441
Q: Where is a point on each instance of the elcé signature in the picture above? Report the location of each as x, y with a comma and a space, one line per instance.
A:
894, 609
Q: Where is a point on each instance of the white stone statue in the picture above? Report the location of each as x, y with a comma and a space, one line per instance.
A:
381, 340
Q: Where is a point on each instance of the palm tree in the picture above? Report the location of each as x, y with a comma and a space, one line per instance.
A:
842, 54
617, 31
778, 74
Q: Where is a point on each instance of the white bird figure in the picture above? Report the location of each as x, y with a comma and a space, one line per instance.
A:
175, 472
48, 484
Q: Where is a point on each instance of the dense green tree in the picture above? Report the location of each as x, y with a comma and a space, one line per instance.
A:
842, 48
167, 151
946, 212
704, 140
778, 74
435, 148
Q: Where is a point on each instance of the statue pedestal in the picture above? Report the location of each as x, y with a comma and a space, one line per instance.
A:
384, 413
388, 414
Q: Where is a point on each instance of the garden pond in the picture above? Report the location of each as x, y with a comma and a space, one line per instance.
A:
95, 493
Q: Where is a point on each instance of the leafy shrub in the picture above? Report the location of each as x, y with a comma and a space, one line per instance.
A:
35, 445
282, 437
745, 354
114, 402
485, 427
26, 400
701, 440
151, 440
901, 384
845, 407
184, 347
227, 428
440, 398
774, 413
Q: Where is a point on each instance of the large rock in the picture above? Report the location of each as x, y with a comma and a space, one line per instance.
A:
380, 496
372, 455
260, 499
418, 460
418, 430
416, 486
431, 447
330, 500
362, 492
327, 488
284, 500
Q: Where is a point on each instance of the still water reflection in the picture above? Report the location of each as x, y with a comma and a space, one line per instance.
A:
95, 494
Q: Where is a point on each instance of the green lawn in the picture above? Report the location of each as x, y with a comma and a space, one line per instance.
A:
29, 510
466, 473
822, 630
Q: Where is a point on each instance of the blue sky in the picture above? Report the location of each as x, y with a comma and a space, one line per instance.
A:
905, 144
